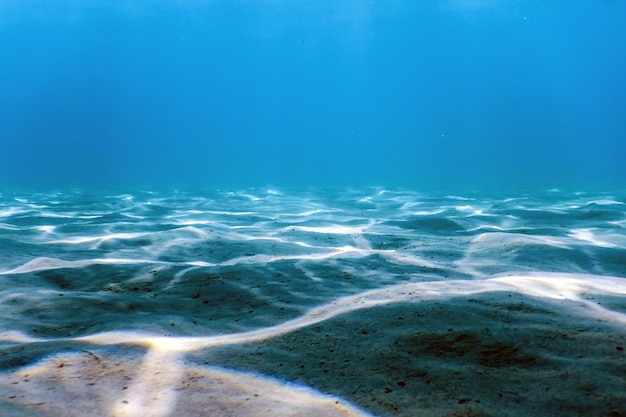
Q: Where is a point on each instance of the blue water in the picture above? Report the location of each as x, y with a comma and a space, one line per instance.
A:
388, 208
423, 94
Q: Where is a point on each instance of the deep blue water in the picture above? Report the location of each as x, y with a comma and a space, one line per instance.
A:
424, 94
259, 207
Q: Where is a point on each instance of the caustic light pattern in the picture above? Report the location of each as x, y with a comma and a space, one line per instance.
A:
316, 302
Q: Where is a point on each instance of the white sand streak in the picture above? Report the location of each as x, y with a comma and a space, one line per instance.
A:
543, 285
554, 286
43, 264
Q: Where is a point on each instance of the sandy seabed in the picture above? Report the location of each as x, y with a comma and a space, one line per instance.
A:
364, 302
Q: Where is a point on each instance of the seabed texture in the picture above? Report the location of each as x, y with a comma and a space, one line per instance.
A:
312, 302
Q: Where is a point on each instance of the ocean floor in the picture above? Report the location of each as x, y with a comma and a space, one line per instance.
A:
320, 302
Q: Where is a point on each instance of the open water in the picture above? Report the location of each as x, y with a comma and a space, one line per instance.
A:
316, 207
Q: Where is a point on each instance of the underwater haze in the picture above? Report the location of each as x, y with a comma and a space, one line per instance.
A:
302, 208
434, 94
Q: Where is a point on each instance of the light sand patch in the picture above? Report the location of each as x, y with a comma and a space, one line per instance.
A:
158, 384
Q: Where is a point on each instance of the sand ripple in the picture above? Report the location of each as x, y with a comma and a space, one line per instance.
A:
463, 291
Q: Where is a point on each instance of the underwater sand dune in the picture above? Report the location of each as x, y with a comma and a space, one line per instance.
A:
375, 302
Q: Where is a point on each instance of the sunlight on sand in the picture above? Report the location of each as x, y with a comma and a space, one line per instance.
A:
127, 317
153, 389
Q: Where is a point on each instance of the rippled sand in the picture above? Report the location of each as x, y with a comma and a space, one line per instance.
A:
319, 302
